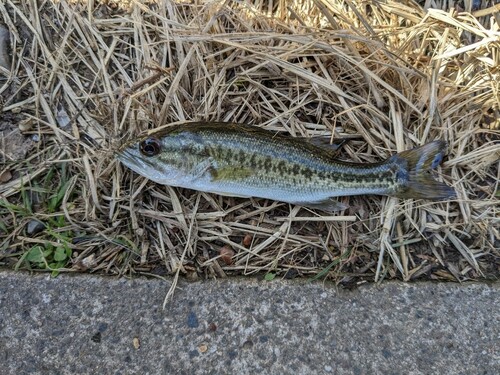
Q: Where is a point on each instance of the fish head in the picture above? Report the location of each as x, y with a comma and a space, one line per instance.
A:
151, 157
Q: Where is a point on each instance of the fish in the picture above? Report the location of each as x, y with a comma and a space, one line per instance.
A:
241, 160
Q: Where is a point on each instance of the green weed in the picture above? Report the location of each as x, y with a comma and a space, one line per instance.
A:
52, 251
327, 269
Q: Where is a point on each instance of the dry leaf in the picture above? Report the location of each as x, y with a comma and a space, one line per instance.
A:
247, 240
226, 254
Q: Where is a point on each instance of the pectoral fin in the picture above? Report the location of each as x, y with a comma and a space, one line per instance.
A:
230, 173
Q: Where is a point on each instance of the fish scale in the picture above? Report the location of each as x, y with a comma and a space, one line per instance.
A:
283, 164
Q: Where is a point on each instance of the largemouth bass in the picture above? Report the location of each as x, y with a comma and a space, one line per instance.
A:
248, 161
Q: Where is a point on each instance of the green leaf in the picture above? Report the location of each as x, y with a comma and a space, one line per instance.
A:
49, 177
56, 200
126, 244
60, 254
325, 271
61, 221
26, 200
14, 208
57, 221
35, 254
63, 237
269, 276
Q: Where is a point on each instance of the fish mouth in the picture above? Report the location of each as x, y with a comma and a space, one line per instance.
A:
134, 160
125, 156
128, 158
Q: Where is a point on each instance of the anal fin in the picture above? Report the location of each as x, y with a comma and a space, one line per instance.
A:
327, 205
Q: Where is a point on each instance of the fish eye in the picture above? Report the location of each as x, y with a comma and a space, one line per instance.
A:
150, 147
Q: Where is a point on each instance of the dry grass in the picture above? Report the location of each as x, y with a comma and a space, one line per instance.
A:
388, 75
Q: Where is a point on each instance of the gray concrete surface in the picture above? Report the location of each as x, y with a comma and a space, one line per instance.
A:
94, 325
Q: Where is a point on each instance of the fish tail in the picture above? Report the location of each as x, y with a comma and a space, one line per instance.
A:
415, 174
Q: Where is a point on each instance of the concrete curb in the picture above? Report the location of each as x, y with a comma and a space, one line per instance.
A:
93, 325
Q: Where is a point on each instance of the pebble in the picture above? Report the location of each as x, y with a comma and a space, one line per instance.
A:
4, 48
136, 342
34, 227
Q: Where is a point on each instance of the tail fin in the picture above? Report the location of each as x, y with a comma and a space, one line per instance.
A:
415, 173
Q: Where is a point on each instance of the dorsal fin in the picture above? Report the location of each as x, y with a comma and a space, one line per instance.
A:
333, 148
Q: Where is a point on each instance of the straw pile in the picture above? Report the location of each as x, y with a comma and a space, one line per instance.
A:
386, 75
